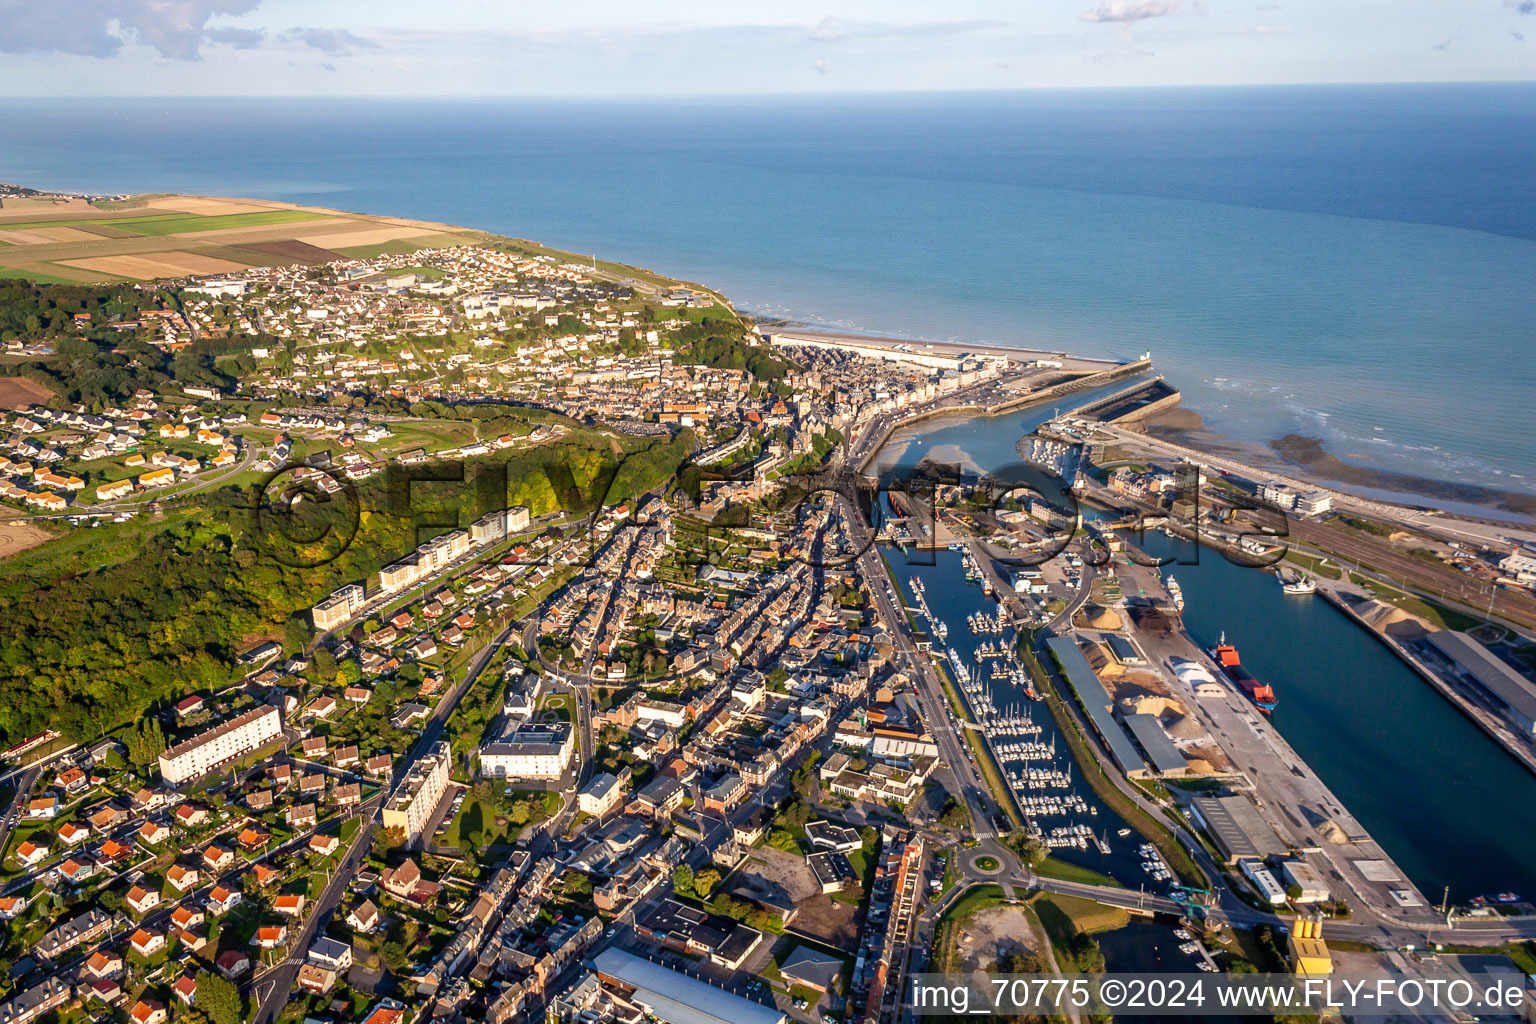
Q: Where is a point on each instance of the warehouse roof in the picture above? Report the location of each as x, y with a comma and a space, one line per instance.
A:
686, 1000
1237, 827
1160, 751
1096, 700
1503, 682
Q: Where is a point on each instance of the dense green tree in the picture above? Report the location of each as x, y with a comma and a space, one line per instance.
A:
220, 999
386, 841
394, 956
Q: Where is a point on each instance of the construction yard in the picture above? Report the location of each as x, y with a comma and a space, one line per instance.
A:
784, 877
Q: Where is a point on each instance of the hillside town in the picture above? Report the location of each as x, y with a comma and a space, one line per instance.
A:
696, 751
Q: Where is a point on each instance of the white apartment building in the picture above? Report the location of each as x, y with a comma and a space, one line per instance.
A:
337, 608
427, 559
443, 549
410, 809
402, 574
1521, 564
601, 795
1312, 503
541, 752
447, 548
196, 757
665, 712
489, 528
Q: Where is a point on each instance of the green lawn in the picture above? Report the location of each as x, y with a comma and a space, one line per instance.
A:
175, 223
1051, 867
1314, 565
475, 813
557, 704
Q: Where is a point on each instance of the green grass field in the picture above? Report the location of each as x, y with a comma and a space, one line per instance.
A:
185, 223
1314, 565
1054, 868
103, 546
404, 247
528, 248
181, 223
65, 275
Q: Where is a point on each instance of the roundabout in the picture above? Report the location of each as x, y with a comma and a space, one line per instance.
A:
986, 864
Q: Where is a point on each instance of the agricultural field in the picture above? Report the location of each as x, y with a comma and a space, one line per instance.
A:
19, 392
167, 237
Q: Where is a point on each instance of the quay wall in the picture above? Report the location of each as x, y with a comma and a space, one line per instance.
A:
1472, 711
975, 409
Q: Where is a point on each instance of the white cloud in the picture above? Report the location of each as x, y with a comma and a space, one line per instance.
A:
827, 30
175, 29
335, 42
1129, 10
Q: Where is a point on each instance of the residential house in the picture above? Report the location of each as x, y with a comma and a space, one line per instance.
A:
182, 878
142, 900
271, 936
147, 942
222, 900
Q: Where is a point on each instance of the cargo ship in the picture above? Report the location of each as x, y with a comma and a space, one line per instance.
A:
1261, 694
1176, 592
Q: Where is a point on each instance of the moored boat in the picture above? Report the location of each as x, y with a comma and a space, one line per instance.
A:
1300, 584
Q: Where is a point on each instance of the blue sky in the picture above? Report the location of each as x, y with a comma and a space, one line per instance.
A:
684, 47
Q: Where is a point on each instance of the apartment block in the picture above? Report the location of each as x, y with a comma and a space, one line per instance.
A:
226, 742
338, 608
413, 803
541, 752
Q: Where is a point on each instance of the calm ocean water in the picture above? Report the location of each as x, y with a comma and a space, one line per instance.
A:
1352, 263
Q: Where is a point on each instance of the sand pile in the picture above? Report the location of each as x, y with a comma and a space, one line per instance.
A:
1147, 704
1390, 619
1103, 664
1094, 616
1182, 727
1331, 831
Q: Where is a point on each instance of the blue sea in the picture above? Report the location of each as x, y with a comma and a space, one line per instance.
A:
1352, 263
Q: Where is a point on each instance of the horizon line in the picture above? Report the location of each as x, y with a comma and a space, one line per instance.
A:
794, 93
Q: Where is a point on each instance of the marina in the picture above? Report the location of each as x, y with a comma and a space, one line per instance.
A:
1034, 762
1370, 733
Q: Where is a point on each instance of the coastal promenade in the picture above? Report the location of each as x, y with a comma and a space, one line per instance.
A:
988, 398
907, 348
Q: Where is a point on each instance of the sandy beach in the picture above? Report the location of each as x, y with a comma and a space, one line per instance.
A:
1300, 455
